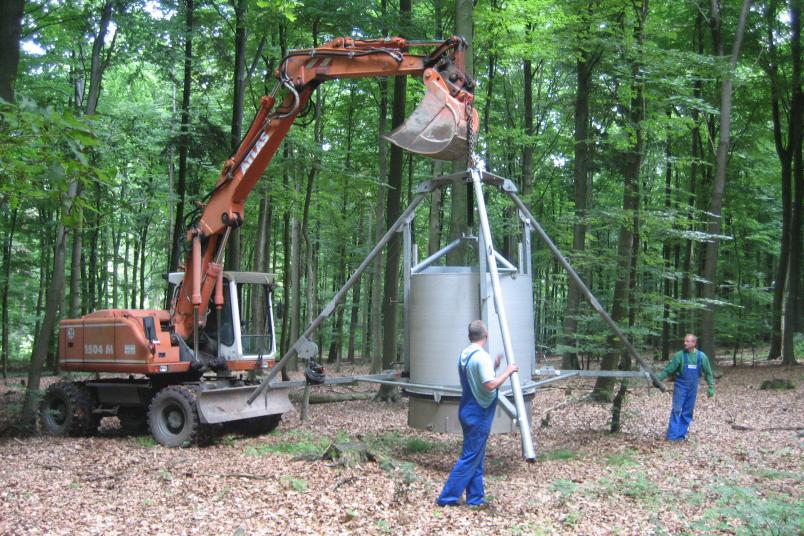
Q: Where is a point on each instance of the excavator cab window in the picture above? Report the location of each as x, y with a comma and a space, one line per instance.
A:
256, 322
227, 328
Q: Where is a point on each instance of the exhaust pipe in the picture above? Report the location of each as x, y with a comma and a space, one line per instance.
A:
438, 126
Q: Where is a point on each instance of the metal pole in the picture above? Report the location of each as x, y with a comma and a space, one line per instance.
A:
407, 245
524, 426
330, 308
585, 290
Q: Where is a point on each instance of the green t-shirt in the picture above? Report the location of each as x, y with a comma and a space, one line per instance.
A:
674, 367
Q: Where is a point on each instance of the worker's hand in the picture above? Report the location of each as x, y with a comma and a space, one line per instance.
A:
510, 369
711, 392
497, 361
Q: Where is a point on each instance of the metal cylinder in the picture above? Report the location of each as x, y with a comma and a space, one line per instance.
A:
443, 300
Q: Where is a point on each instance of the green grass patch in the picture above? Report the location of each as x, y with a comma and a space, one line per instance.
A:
622, 458
572, 519
565, 488
145, 441
632, 484
772, 474
745, 511
293, 442
296, 484
404, 471
416, 445
558, 454
402, 444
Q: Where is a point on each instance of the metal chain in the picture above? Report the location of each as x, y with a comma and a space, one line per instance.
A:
471, 135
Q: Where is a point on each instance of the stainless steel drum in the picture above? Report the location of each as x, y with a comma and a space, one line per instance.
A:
443, 300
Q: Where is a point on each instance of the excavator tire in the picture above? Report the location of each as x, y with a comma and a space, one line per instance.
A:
173, 417
133, 421
66, 410
256, 426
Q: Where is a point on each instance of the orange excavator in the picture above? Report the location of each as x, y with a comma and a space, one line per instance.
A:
191, 371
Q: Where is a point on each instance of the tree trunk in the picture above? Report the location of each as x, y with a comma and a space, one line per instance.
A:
8, 243
135, 266
379, 231
785, 154
667, 249
696, 152
716, 204
99, 63
434, 220
233, 248
793, 312
393, 210
632, 163
355, 310
55, 293
144, 246
461, 192
184, 139
526, 182
11, 12
295, 284
583, 72
75, 262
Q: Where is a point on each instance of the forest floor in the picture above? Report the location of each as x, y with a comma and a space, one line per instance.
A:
722, 479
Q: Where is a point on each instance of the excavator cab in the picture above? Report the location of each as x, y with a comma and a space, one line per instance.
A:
243, 334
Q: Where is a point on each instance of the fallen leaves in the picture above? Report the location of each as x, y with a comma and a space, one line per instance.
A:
585, 481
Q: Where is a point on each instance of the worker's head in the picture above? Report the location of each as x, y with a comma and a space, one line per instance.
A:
690, 342
477, 331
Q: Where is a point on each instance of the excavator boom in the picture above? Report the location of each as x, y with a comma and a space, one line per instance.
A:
438, 128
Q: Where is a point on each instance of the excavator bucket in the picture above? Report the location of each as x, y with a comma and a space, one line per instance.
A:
438, 126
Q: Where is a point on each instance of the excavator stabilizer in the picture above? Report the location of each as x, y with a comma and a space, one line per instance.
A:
438, 126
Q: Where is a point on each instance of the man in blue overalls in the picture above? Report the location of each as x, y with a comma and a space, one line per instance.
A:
476, 413
687, 365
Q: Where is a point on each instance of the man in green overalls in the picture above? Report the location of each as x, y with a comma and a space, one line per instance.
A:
687, 365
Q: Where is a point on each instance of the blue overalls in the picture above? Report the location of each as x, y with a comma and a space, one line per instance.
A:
684, 393
476, 425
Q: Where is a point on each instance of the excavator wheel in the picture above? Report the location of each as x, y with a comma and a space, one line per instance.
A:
256, 426
173, 417
66, 410
133, 420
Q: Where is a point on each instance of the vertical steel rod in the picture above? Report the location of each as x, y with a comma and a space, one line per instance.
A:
407, 259
499, 304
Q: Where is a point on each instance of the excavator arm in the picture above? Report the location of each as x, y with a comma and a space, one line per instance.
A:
440, 128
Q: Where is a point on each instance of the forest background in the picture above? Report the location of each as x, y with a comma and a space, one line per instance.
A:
659, 144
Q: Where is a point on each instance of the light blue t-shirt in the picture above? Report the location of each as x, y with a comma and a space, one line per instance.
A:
479, 371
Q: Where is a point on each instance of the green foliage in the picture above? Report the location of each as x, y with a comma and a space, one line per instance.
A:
292, 442
744, 510
145, 441
629, 483
565, 488
558, 454
126, 156
416, 445
777, 384
296, 484
571, 519
622, 459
